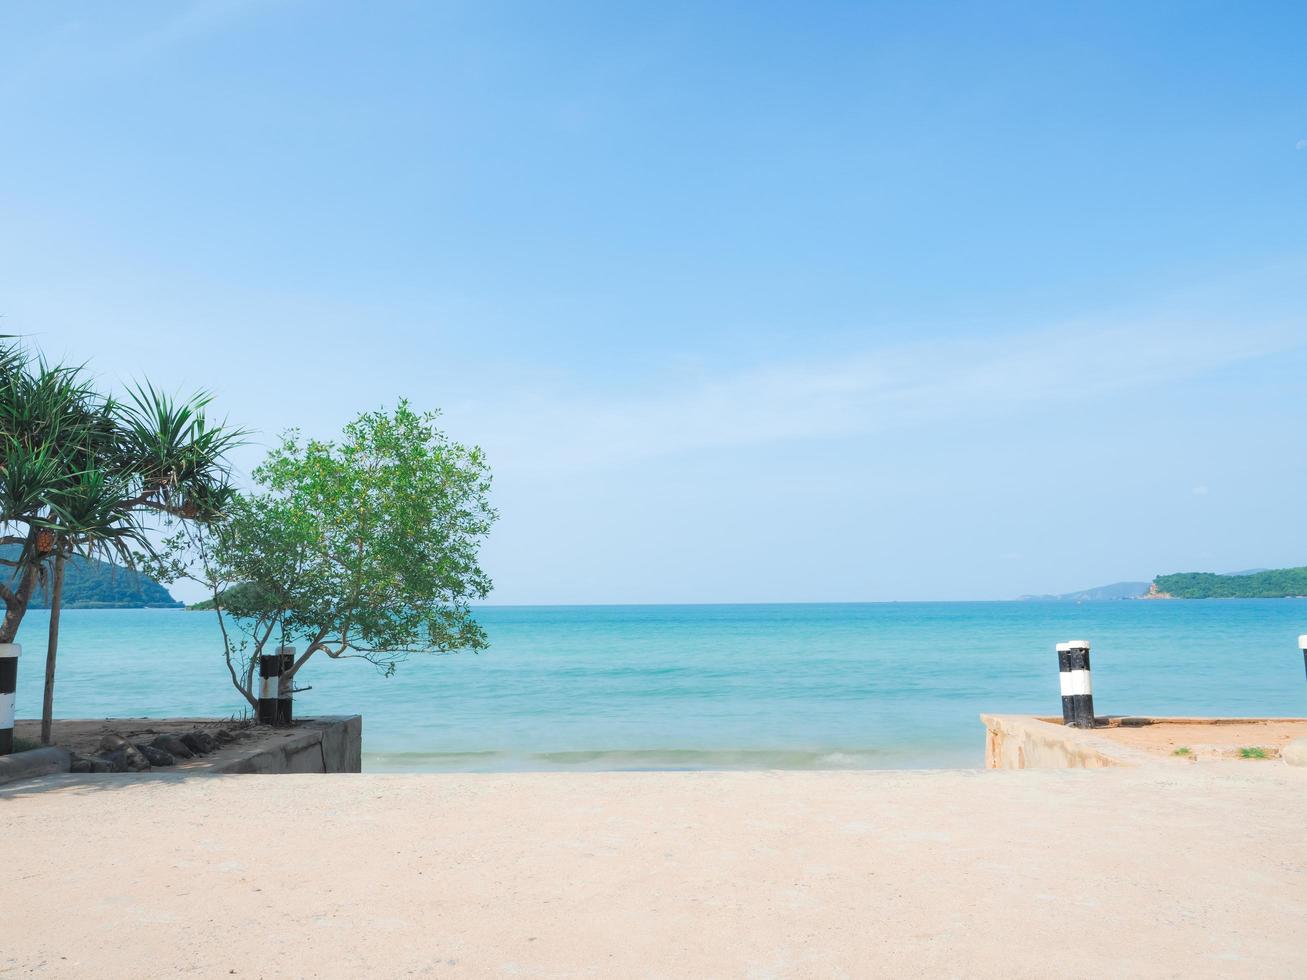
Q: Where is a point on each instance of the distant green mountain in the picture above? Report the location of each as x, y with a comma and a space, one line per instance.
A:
1276, 583
94, 584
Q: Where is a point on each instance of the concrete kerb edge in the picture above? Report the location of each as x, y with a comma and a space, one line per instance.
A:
35, 762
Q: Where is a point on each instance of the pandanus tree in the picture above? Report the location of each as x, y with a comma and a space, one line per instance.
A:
87, 474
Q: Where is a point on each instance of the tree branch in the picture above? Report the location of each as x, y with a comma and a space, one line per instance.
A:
313, 648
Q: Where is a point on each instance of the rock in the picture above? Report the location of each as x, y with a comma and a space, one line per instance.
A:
173, 745
156, 756
200, 741
100, 764
128, 759
112, 743
195, 743
80, 764
136, 761
223, 736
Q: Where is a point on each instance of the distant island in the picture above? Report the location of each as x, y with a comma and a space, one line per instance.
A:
1257, 583
246, 595
1276, 583
1117, 590
93, 584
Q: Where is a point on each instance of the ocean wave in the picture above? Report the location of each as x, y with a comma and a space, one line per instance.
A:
638, 760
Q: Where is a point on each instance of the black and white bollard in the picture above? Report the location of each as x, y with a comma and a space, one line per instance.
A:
284, 702
1302, 645
1077, 691
269, 688
8, 684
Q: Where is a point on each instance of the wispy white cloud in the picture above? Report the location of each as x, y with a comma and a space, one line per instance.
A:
1300, 145
865, 392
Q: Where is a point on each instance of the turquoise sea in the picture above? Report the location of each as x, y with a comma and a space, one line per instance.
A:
876, 685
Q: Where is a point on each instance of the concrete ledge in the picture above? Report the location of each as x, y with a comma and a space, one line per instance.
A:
325, 744
1024, 742
331, 743
36, 762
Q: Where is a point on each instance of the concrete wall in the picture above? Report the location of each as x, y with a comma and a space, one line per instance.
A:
1023, 742
331, 743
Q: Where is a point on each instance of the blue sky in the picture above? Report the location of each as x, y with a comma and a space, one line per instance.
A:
746, 302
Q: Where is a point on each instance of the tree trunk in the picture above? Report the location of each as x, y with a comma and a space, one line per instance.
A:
52, 648
15, 611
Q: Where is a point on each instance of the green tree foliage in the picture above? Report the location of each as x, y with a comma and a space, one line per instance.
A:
1274, 584
366, 547
85, 474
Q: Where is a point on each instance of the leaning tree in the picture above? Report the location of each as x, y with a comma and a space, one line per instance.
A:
366, 547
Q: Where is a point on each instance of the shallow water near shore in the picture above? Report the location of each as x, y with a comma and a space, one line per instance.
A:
838, 686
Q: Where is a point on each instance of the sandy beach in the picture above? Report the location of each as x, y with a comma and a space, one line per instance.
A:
1184, 872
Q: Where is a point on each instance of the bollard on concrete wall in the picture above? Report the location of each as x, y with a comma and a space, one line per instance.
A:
1302, 645
269, 688
284, 696
1077, 690
8, 685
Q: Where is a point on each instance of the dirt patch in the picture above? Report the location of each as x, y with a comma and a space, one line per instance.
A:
1205, 739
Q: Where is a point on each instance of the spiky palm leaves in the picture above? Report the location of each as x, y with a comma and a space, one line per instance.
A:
91, 470
51, 429
84, 473
178, 456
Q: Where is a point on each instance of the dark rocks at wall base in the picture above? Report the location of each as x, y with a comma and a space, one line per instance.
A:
121, 750
124, 756
173, 745
118, 754
201, 743
193, 742
156, 756
210, 743
128, 759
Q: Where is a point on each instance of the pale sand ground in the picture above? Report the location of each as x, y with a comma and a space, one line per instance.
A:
1183, 871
